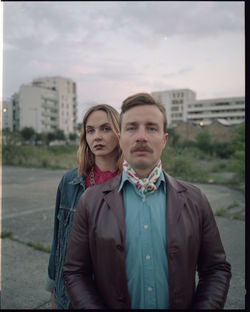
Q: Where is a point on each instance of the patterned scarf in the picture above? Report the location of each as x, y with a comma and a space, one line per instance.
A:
146, 185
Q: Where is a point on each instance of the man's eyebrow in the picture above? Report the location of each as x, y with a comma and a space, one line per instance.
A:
131, 123
151, 123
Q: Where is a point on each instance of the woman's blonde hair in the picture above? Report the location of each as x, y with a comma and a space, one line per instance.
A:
85, 157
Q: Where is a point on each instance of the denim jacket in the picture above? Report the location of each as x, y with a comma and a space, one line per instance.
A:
69, 191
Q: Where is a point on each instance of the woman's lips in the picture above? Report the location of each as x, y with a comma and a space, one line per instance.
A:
99, 147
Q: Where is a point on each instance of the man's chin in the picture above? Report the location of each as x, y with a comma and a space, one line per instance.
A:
141, 165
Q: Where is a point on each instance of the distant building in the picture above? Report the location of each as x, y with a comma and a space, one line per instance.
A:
182, 106
228, 111
218, 131
47, 104
7, 115
176, 103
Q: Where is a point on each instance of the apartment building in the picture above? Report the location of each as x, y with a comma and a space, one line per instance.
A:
47, 104
10, 113
182, 106
7, 113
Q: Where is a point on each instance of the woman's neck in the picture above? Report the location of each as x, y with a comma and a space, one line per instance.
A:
106, 163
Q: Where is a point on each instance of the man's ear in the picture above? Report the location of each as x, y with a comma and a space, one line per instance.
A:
165, 139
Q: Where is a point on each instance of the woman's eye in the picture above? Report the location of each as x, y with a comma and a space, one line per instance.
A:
106, 129
90, 131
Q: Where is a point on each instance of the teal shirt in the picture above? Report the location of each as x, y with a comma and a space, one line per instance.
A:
146, 255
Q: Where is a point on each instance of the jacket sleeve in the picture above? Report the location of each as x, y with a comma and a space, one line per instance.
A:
77, 269
50, 285
213, 269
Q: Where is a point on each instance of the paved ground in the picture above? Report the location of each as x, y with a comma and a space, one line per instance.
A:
28, 213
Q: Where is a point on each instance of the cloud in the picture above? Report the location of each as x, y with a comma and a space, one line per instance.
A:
116, 48
167, 19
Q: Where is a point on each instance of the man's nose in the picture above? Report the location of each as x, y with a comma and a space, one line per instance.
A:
141, 135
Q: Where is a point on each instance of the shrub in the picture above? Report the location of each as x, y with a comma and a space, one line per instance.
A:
203, 141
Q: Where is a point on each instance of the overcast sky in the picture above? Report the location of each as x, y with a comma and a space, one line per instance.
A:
114, 49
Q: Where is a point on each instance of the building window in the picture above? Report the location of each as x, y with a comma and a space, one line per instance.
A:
174, 109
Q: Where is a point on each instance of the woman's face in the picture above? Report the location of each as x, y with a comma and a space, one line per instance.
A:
101, 139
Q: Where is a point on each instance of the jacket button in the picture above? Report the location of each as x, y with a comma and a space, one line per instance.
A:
121, 298
120, 247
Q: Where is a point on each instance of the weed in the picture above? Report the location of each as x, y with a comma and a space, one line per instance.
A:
6, 235
233, 205
37, 246
220, 212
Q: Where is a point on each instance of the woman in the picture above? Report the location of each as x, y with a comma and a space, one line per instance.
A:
99, 159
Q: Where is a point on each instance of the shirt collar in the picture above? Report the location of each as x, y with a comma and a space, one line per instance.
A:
158, 182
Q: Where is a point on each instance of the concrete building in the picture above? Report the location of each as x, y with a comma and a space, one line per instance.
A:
182, 106
47, 104
228, 111
176, 103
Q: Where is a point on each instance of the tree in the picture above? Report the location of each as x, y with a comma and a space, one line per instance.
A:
27, 133
238, 157
72, 136
79, 126
173, 137
59, 135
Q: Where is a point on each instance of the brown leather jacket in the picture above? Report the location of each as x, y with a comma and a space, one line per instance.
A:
94, 270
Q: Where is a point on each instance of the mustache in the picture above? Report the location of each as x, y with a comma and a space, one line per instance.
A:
141, 146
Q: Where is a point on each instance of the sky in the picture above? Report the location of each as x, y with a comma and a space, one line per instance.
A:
113, 49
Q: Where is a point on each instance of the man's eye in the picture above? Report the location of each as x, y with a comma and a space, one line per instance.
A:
152, 129
130, 128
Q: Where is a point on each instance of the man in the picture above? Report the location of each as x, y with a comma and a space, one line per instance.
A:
138, 239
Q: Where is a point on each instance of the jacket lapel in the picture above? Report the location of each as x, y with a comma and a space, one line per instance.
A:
115, 202
175, 203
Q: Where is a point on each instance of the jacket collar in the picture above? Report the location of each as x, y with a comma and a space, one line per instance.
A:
78, 180
114, 184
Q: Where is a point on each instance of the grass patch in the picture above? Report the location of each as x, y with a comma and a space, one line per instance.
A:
37, 246
187, 163
220, 212
52, 157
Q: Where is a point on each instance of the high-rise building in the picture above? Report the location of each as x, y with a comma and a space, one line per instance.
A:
182, 105
47, 104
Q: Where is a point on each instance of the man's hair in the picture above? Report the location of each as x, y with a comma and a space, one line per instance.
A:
142, 99
85, 157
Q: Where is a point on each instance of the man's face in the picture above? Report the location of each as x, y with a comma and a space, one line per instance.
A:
142, 137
